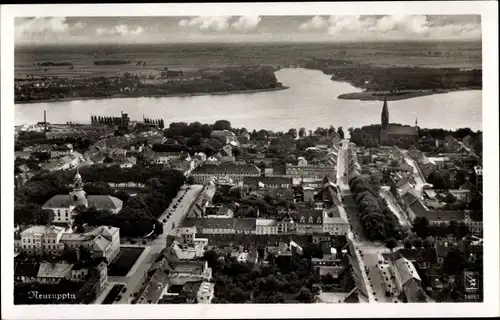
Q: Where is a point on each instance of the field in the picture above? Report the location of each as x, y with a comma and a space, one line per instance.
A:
124, 261
194, 56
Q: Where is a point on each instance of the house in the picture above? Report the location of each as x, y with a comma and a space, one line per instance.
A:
42, 240
329, 264
53, 272
129, 162
62, 150
219, 212
225, 135
103, 241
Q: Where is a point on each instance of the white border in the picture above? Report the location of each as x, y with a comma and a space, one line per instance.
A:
489, 12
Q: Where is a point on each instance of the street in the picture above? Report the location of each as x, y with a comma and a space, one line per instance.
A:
134, 281
366, 251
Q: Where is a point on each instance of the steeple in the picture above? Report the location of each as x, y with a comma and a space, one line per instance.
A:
77, 181
78, 195
385, 114
416, 122
384, 125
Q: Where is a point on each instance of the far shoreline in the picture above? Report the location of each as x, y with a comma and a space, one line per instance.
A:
409, 94
171, 95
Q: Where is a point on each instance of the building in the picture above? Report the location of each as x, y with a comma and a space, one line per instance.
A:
63, 205
267, 183
103, 241
221, 225
478, 170
391, 132
42, 240
236, 172
402, 275
226, 135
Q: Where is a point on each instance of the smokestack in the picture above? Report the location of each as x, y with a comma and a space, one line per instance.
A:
45, 123
122, 120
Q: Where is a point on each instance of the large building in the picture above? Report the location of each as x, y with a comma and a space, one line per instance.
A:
236, 172
41, 240
390, 133
63, 205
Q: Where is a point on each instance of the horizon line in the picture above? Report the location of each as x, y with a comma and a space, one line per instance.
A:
35, 44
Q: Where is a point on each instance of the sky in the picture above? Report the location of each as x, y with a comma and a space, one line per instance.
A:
75, 30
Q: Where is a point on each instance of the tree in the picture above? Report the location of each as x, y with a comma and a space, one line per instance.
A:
340, 131
407, 244
292, 132
418, 243
391, 243
44, 217
222, 125
305, 296
421, 226
463, 229
302, 132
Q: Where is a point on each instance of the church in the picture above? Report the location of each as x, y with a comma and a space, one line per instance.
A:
390, 133
63, 204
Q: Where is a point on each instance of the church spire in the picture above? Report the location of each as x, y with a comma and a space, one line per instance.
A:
77, 181
385, 114
416, 122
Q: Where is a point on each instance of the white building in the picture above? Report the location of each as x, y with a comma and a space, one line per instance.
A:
40, 240
63, 205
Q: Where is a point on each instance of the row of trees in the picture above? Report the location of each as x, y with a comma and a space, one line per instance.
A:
159, 122
423, 228
102, 120
378, 220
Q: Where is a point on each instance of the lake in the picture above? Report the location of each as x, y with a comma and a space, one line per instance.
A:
310, 102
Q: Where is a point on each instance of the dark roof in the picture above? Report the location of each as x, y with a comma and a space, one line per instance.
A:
445, 215
397, 129
419, 209
226, 168
267, 180
317, 215
26, 269
221, 223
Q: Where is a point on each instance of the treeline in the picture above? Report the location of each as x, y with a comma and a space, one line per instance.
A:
378, 220
375, 78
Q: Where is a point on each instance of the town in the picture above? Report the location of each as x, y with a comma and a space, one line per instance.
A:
123, 211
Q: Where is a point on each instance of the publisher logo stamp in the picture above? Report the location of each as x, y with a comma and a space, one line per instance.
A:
471, 282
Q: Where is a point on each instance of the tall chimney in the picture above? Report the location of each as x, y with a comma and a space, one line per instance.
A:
45, 123
122, 121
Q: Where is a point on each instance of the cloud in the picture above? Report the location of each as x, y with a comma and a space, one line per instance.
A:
120, 30
206, 23
246, 23
37, 25
315, 23
398, 26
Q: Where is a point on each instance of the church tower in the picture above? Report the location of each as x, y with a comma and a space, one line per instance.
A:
78, 195
384, 127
